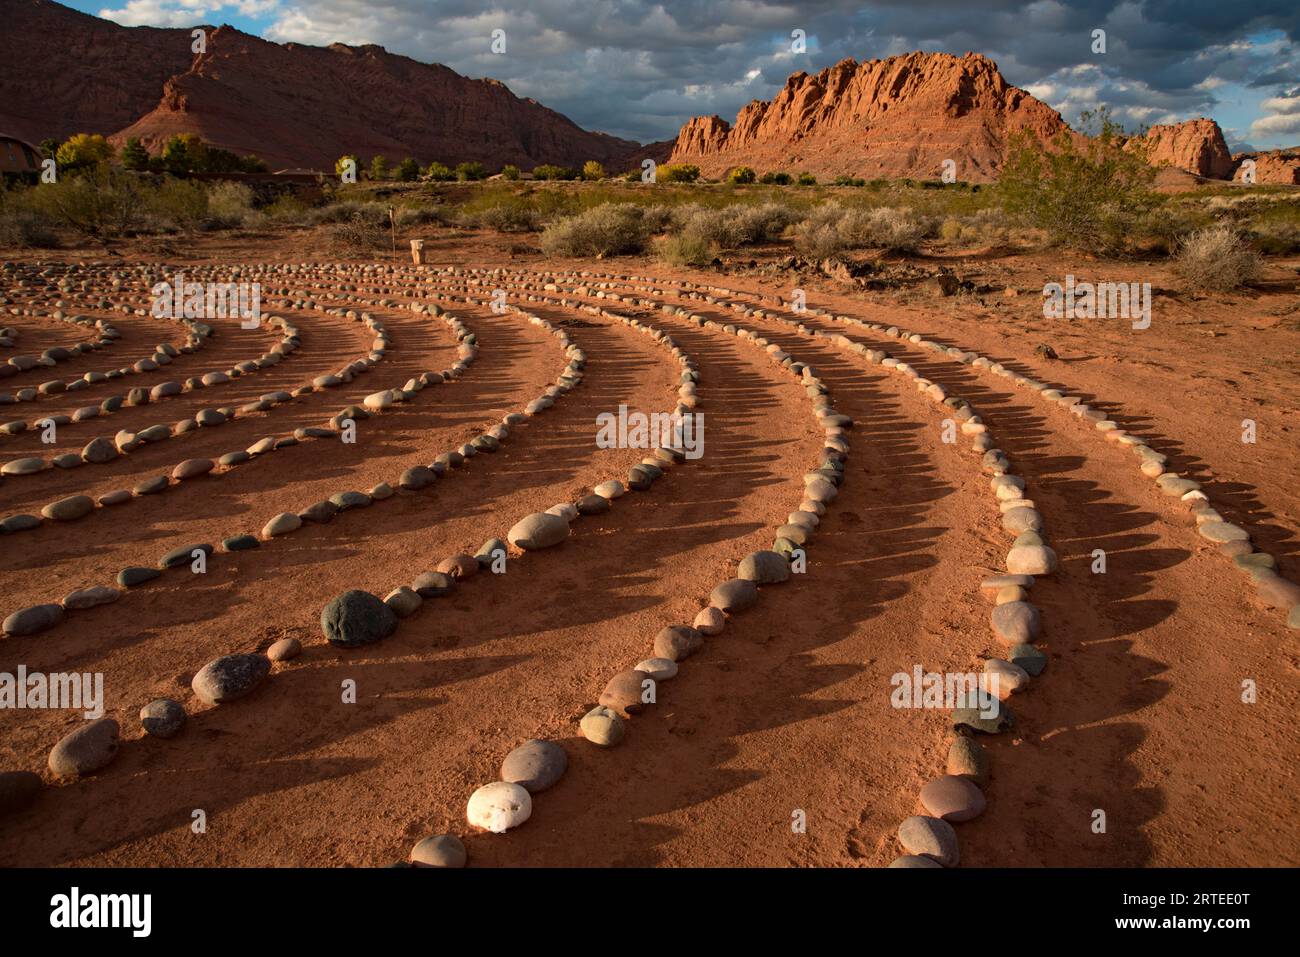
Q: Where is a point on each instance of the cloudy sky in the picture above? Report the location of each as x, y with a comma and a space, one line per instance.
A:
637, 68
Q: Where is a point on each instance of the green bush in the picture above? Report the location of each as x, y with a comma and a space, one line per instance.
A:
408, 171
610, 229
677, 173
179, 204
101, 204
548, 171
741, 175
776, 179
470, 171
1086, 196
807, 179
510, 171
849, 181
230, 203
592, 171
439, 172
507, 217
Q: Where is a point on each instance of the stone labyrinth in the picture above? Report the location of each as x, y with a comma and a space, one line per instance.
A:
132, 446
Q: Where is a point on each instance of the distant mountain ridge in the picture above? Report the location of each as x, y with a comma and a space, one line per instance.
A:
63, 72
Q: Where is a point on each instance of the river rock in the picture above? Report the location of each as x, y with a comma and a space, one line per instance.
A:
953, 799
499, 806
624, 692
677, 642
535, 765
162, 718
930, 837
357, 618
539, 530
1016, 622
32, 620
230, 677
764, 568
440, 850
602, 727
91, 747
1031, 560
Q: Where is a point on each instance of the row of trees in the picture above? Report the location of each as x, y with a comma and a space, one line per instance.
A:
181, 154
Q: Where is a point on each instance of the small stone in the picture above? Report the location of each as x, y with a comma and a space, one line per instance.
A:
710, 621
764, 568
1031, 560
131, 577
404, 601
968, 759
69, 509
1275, 590
284, 650
610, 489
192, 468
241, 543
539, 530
930, 837
734, 595
994, 718
592, 505
184, 555
1016, 623
433, 584
440, 850
625, 691
499, 806
912, 860
230, 677
535, 765
1003, 678
162, 718
677, 642
602, 727
1027, 657
492, 550
282, 524
1018, 520
32, 620
91, 747
660, 669
952, 798
357, 618
992, 586
91, 597
459, 566
1223, 532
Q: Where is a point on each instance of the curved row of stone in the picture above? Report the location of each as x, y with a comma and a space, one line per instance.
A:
231, 677
107, 335
38, 618
536, 764
1016, 623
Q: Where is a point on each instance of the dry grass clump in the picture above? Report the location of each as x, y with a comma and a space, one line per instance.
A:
1217, 258
831, 229
610, 229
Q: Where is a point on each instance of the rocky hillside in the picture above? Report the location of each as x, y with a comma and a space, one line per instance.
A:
63, 72
903, 116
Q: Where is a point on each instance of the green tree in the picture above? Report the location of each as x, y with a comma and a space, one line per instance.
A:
741, 175
591, 170
184, 153
408, 170
84, 150
379, 167
678, 173
134, 155
470, 171
510, 171
439, 172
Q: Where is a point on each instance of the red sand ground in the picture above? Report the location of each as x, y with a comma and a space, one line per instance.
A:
1139, 713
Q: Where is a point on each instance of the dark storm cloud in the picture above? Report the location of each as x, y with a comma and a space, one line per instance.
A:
637, 68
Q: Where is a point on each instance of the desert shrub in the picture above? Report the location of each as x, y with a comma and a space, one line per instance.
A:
345, 162
849, 181
1275, 226
347, 211
510, 171
683, 250
408, 171
1218, 258
470, 171
950, 231
439, 172
23, 227
831, 228
550, 171
741, 175
591, 170
807, 179
99, 204
288, 209
729, 227
357, 236
632, 176
407, 216
777, 178
134, 155
178, 204
658, 218
1085, 196
606, 230
379, 168
678, 173
511, 216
